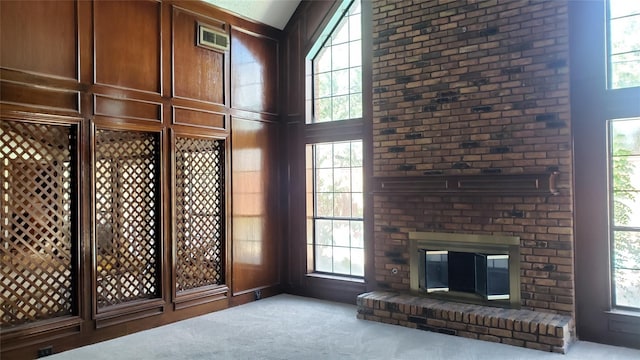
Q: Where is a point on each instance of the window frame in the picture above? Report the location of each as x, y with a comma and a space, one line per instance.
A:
594, 103
613, 227
609, 47
617, 108
337, 131
314, 51
311, 152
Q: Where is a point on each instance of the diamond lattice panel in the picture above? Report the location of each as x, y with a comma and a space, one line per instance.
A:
127, 216
35, 226
199, 219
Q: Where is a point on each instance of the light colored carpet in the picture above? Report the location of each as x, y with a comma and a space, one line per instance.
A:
292, 327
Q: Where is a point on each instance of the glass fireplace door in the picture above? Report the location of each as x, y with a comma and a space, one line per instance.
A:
486, 275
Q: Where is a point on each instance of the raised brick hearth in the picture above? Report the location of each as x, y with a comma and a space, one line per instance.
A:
525, 328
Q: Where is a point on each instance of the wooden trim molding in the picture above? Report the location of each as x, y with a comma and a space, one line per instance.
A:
129, 312
200, 296
45, 329
543, 184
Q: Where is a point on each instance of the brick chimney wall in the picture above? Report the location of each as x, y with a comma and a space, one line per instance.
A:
475, 87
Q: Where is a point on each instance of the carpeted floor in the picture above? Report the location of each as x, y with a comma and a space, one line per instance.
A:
292, 327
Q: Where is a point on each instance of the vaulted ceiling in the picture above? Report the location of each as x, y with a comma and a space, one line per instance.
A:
271, 12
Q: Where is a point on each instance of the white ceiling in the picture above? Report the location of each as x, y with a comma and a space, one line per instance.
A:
271, 12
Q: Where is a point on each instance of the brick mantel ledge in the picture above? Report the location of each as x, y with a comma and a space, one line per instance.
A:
542, 184
524, 328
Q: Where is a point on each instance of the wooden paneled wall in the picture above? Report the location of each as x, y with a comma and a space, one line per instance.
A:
135, 66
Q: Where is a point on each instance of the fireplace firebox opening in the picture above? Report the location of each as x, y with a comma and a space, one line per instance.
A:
484, 274
482, 269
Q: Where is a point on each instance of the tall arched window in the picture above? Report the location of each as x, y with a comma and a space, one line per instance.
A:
334, 153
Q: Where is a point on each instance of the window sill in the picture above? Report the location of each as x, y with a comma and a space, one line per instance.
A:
620, 312
336, 277
624, 321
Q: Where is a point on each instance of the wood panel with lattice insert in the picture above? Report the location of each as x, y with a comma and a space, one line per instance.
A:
37, 183
127, 216
199, 205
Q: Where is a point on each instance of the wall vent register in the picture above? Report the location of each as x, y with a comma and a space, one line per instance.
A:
212, 39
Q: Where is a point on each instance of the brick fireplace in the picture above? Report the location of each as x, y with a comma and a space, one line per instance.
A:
471, 135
